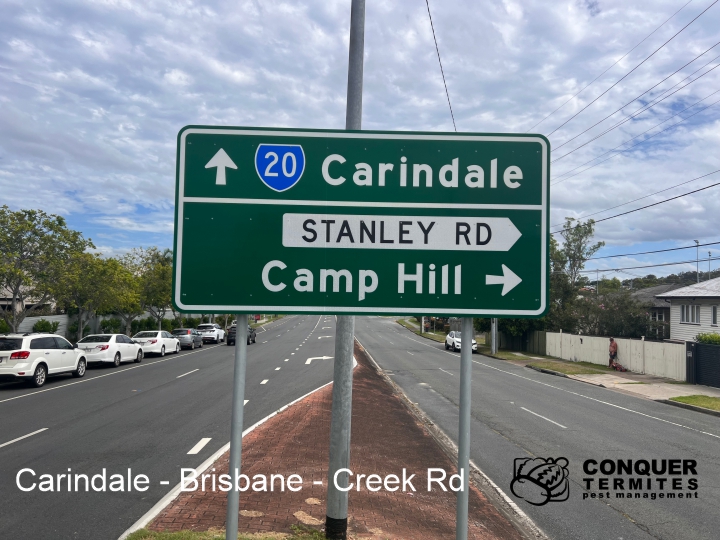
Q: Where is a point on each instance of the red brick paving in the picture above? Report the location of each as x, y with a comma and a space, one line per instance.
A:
385, 439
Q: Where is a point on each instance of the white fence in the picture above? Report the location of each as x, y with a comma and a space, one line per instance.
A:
653, 358
29, 322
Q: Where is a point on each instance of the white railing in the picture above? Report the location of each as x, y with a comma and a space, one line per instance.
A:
653, 358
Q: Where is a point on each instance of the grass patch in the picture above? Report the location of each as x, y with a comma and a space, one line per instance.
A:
269, 320
299, 533
571, 368
706, 402
435, 336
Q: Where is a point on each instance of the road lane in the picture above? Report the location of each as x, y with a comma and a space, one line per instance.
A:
144, 417
597, 423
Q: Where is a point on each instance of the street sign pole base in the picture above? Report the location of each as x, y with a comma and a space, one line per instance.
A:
335, 529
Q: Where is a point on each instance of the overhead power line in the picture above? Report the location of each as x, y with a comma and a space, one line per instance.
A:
693, 261
442, 72
643, 207
620, 152
655, 251
638, 97
608, 69
633, 115
643, 197
633, 69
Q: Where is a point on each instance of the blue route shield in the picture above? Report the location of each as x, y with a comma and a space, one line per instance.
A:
280, 166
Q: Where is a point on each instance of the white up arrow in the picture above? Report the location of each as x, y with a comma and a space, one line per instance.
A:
318, 358
508, 280
220, 160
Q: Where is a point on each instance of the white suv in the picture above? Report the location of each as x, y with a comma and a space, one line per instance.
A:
454, 341
32, 357
211, 332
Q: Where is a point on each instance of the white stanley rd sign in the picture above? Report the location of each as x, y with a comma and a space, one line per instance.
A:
399, 232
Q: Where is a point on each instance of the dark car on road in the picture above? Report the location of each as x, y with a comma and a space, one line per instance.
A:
233, 330
189, 338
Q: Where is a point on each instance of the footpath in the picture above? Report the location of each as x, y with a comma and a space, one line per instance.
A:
386, 438
636, 384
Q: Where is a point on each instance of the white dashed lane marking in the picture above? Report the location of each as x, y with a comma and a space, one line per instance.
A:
265, 381
199, 446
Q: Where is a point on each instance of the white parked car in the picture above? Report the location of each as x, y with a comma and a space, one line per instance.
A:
454, 341
111, 348
32, 357
157, 342
211, 332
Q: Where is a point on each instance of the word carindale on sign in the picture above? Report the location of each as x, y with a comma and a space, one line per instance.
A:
362, 222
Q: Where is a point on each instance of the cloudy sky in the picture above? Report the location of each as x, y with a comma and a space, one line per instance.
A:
93, 93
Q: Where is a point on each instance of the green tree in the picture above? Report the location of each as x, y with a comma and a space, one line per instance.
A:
577, 246
153, 267
34, 248
128, 304
88, 283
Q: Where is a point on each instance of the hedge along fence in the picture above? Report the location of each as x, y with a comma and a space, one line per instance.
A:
708, 338
650, 357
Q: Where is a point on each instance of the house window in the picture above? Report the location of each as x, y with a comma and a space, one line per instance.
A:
690, 314
714, 315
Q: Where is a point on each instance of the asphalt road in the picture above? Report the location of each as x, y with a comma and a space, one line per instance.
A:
518, 413
145, 417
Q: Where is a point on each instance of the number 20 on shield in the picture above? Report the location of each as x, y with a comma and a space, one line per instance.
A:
280, 166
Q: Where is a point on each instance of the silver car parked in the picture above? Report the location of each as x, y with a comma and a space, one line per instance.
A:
189, 338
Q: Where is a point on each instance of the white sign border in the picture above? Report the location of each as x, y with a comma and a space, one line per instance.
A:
181, 199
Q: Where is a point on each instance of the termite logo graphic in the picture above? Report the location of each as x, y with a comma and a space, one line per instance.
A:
540, 481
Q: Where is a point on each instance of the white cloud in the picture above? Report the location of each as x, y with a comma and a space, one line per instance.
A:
92, 95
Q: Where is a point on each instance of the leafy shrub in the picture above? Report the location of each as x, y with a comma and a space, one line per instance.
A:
710, 338
45, 326
4, 327
72, 332
111, 326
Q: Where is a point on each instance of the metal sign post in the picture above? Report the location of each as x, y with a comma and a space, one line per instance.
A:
461, 510
236, 429
337, 501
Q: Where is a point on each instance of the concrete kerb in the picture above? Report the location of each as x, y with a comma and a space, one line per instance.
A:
688, 406
175, 491
504, 504
558, 374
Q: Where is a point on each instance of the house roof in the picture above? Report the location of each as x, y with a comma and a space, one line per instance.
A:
648, 295
704, 289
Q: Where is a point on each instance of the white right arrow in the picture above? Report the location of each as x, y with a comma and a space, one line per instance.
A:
509, 280
318, 358
220, 160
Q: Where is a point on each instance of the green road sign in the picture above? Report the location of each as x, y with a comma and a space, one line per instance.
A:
365, 222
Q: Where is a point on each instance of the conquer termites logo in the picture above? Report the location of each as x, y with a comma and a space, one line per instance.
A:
539, 481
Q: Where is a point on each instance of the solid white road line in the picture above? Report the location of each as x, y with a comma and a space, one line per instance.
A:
265, 381
411, 354
541, 416
578, 394
23, 437
601, 401
121, 370
441, 369
188, 373
199, 446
